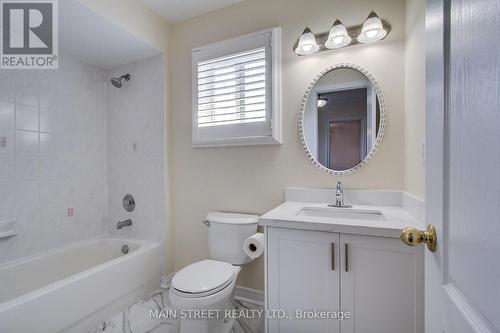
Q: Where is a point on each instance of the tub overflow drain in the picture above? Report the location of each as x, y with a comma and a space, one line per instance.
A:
125, 249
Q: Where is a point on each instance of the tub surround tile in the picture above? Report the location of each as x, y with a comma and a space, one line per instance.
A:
136, 147
8, 249
27, 95
7, 169
27, 169
27, 194
7, 196
51, 119
7, 115
27, 143
54, 123
7, 141
26, 117
29, 231
69, 138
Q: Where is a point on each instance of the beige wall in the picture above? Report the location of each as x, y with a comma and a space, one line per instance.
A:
415, 97
140, 21
252, 179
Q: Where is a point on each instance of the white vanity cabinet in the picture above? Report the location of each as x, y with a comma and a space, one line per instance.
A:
379, 280
381, 284
302, 273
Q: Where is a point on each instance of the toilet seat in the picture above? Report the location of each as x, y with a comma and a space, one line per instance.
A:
203, 278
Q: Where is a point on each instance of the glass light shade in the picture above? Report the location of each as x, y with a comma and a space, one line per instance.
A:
307, 43
338, 36
373, 29
321, 102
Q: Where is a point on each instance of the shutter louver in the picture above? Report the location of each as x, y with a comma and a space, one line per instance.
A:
232, 89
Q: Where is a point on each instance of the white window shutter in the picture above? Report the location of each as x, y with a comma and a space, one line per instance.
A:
235, 97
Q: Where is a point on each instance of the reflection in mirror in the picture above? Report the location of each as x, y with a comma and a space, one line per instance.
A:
341, 119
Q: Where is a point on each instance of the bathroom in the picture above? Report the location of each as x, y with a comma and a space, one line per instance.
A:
164, 168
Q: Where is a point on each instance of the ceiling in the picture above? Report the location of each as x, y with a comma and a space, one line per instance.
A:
97, 41
175, 11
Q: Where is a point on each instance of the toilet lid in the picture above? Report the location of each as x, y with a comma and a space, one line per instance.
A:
203, 276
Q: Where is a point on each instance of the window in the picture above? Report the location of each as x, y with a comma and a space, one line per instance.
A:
236, 91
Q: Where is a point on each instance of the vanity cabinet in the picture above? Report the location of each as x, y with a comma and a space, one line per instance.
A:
303, 273
381, 284
379, 280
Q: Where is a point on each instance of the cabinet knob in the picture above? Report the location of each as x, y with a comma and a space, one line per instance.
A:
415, 237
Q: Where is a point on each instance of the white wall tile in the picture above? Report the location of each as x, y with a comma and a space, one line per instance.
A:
27, 95
136, 115
26, 117
29, 228
10, 137
50, 119
27, 143
46, 140
56, 158
27, 194
27, 168
7, 115
7, 169
7, 196
8, 249
72, 146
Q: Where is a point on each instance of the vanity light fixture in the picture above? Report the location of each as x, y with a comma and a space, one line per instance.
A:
339, 36
373, 29
307, 43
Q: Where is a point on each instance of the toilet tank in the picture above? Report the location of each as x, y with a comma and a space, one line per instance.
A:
226, 234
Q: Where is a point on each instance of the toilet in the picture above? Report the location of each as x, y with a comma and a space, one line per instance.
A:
206, 288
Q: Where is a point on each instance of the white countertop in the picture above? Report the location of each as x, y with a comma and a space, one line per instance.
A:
395, 219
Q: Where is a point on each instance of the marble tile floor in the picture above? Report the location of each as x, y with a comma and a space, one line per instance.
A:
136, 318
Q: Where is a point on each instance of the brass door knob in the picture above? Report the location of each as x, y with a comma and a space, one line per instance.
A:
414, 237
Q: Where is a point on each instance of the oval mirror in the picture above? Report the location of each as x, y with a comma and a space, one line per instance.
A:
342, 119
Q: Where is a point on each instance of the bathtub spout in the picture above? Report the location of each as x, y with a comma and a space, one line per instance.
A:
123, 224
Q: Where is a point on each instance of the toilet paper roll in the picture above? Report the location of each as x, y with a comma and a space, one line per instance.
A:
254, 245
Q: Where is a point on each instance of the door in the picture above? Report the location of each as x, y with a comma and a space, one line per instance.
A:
382, 285
342, 107
463, 163
345, 144
303, 274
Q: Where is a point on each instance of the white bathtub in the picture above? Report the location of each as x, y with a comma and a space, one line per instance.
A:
72, 289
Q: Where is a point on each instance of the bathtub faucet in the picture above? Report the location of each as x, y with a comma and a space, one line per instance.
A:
123, 224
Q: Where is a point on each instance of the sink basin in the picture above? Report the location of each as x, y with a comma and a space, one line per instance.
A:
342, 213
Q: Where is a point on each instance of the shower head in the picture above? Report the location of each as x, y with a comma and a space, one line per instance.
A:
117, 81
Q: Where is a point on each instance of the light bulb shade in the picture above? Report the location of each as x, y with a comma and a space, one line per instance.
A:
338, 36
321, 102
373, 29
307, 43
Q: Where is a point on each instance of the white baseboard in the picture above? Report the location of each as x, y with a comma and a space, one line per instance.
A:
249, 295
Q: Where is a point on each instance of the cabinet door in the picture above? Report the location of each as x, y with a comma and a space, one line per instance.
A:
302, 274
381, 285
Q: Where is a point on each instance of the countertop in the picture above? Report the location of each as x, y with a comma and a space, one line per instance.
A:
395, 219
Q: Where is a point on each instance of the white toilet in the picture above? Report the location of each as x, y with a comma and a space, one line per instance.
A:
209, 284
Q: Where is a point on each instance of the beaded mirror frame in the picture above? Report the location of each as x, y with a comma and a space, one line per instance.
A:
382, 125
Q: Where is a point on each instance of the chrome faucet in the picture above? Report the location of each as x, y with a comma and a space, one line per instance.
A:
339, 197
123, 224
